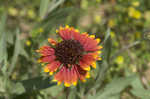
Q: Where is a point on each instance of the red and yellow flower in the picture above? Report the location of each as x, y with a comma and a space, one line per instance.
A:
70, 59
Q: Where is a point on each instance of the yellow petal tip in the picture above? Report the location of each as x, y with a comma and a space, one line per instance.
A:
50, 73
49, 39
46, 69
67, 84
99, 58
56, 31
100, 47
58, 83
54, 80
60, 27
37, 51
76, 30
98, 40
92, 36
94, 64
39, 61
67, 26
87, 68
83, 80
43, 64
75, 83
87, 75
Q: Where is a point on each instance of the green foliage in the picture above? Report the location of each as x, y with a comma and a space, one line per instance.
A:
43, 7
138, 89
122, 25
32, 85
3, 53
112, 89
16, 53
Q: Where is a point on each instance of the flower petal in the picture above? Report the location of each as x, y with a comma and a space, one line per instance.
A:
52, 41
65, 33
46, 51
81, 73
53, 66
59, 75
74, 76
67, 80
87, 60
47, 59
91, 44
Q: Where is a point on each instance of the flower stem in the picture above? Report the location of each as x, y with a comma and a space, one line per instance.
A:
67, 90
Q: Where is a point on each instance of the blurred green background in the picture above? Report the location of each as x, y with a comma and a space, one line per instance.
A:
123, 26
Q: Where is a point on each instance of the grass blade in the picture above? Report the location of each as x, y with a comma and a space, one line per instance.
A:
43, 7
16, 53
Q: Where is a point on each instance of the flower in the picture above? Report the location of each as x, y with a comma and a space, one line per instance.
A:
111, 23
136, 3
13, 11
112, 34
97, 19
71, 58
120, 59
31, 14
28, 42
134, 13
40, 30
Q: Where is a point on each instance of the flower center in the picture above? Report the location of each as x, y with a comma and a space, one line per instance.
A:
69, 52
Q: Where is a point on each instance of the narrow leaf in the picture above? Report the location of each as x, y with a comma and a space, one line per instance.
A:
33, 84
107, 46
16, 53
3, 52
43, 7
54, 5
106, 56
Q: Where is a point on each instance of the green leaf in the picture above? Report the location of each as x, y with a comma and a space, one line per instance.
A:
57, 17
141, 93
52, 20
105, 63
19, 88
107, 35
136, 84
47, 7
2, 89
114, 88
138, 89
107, 46
43, 7
3, 51
72, 93
10, 37
16, 53
55, 4
3, 47
115, 97
3, 23
23, 52
33, 84
4, 68
53, 90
